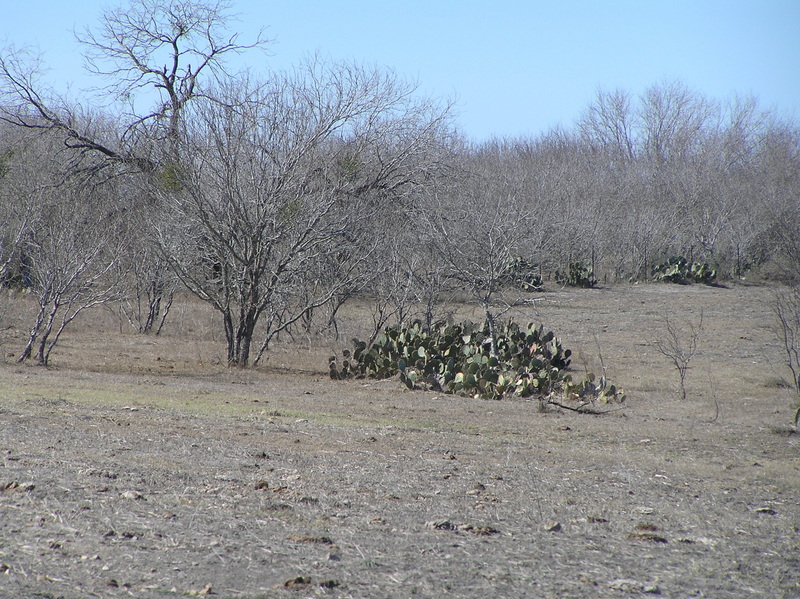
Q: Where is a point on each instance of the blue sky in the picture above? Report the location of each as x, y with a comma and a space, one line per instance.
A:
514, 67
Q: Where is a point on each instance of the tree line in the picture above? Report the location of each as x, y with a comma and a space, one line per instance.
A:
276, 200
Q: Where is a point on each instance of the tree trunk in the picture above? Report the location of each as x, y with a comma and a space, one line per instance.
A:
26, 353
41, 356
239, 338
229, 337
492, 329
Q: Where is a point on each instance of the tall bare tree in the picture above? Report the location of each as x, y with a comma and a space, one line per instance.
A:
478, 222
609, 124
164, 46
673, 121
68, 245
152, 58
153, 55
279, 186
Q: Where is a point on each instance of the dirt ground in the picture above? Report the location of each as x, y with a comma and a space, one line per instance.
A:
141, 466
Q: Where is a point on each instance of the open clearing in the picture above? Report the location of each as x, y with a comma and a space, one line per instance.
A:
141, 466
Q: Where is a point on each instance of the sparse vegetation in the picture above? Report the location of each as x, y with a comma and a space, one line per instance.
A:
279, 210
787, 312
680, 345
150, 447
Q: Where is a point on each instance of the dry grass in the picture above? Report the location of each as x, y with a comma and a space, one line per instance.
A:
143, 466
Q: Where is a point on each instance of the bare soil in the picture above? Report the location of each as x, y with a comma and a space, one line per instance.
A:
141, 466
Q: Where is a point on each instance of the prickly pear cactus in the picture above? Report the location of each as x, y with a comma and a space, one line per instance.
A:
521, 274
682, 272
578, 274
458, 358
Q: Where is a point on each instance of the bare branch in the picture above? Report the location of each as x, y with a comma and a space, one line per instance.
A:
680, 347
151, 47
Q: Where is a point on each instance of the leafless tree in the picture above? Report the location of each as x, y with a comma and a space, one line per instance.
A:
70, 253
779, 193
609, 124
147, 284
166, 46
680, 346
787, 313
151, 52
17, 215
58, 236
152, 58
673, 120
410, 281
477, 223
26, 101
280, 185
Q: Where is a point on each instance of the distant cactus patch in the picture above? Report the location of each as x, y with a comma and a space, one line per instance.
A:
679, 270
458, 358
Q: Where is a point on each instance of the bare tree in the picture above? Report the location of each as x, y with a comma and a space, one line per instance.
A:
609, 124
787, 313
410, 281
477, 224
779, 193
673, 119
279, 186
18, 215
150, 52
147, 283
168, 46
680, 346
152, 58
71, 253
27, 102
57, 236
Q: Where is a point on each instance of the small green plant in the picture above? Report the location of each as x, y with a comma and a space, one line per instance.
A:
348, 166
171, 176
679, 270
589, 391
578, 274
458, 358
6, 158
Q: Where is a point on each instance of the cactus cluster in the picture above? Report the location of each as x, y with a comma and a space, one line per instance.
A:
578, 274
458, 358
588, 390
521, 274
679, 270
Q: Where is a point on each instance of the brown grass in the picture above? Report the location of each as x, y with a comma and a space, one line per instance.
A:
140, 465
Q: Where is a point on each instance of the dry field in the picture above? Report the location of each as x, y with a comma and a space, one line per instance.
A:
140, 466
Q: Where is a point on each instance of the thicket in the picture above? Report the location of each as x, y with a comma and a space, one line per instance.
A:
277, 201
787, 312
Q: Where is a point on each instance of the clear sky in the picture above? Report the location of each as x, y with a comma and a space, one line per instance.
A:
514, 67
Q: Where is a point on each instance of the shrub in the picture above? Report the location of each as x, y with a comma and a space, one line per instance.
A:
679, 270
787, 313
578, 275
457, 358
521, 274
